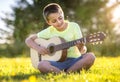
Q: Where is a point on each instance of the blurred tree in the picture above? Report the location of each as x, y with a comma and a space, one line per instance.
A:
28, 19
91, 15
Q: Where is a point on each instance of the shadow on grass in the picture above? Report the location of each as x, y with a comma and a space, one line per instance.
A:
22, 76
37, 75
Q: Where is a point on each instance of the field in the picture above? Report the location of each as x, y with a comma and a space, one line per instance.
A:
105, 69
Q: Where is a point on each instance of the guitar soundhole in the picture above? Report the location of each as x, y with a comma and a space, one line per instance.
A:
51, 49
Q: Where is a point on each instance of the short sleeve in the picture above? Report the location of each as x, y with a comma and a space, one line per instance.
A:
44, 33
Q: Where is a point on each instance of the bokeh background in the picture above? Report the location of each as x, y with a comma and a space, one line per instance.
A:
20, 18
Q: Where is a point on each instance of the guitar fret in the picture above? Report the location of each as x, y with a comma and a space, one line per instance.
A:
65, 45
84, 40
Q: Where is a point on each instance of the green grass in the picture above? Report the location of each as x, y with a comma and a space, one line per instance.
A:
105, 69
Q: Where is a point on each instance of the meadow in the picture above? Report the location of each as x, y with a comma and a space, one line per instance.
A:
105, 69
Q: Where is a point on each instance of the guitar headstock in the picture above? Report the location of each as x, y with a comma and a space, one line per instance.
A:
96, 38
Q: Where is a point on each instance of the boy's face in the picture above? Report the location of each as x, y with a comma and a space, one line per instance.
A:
56, 20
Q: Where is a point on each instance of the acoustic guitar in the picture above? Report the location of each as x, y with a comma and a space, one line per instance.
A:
58, 47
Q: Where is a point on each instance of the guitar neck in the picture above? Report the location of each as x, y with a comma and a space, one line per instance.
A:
92, 38
67, 45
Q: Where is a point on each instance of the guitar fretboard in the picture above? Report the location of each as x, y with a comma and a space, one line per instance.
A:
66, 45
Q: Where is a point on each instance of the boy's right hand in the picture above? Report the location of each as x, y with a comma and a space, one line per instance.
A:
30, 41
42, 50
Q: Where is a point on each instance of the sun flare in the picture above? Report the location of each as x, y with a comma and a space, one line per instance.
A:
116, 14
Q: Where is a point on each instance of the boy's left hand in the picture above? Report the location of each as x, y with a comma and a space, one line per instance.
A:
83, 50
81, 47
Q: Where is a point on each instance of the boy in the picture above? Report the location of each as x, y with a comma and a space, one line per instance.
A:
77, 58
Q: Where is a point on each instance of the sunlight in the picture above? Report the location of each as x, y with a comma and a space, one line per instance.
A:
110, 3
116, 19
116, 14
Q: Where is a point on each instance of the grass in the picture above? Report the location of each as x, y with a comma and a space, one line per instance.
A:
105, 69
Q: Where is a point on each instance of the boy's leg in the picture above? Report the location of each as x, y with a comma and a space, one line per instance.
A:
45, 67
85, 63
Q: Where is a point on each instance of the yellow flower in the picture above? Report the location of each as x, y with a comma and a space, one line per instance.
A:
32, 78
24, 80
13, 74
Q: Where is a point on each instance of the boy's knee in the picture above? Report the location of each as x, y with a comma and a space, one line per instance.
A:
90, 59
91, 56
42, 65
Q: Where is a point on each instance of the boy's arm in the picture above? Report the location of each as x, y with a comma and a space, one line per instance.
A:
30, 41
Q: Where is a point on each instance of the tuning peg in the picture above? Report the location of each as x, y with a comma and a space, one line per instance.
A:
90, 40
93, 43
100, 42
95, 33
104, 34
91, 34
96, 42
98, 39
99, 32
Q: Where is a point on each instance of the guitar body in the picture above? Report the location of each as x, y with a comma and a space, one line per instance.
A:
54, 56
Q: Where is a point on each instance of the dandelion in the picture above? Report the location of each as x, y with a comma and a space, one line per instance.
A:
32, 78
24, 80
86, 81
13, 73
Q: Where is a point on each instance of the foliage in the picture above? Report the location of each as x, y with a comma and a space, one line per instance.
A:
28, 19
105, 69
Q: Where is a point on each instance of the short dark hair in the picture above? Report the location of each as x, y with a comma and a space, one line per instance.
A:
51, 8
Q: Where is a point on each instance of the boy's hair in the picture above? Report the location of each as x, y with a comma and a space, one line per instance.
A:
51, 8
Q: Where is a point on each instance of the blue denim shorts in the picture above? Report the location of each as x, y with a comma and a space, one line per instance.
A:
66, 64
